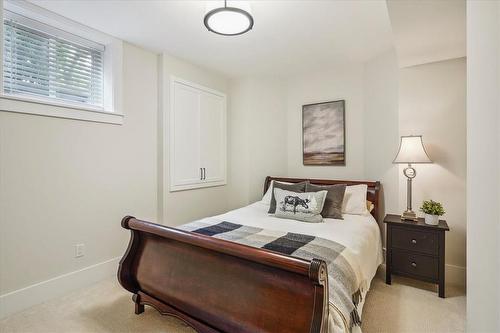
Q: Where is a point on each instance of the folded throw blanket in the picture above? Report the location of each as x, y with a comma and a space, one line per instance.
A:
344, 282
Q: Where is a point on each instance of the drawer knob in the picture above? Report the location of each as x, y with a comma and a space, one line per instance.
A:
414, 241
414, 264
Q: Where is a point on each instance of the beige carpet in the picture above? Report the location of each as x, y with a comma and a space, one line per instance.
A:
106, 307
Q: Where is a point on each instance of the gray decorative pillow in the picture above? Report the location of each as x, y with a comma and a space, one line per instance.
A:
334, 198
297, 187
305, 206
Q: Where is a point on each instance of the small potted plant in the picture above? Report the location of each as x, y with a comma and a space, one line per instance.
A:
432, 210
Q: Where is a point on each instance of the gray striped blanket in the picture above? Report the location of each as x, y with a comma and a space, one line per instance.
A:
344, 284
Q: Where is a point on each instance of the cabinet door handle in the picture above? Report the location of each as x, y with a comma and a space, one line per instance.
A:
414, 264
204, 174
414, 241
201, 173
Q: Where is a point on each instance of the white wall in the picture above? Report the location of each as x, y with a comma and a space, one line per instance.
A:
381, 126
239, 133
258, 140
328, 85
483, 165
64, 182
184, 206
432, 101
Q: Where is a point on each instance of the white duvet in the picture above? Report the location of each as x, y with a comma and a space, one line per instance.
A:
359, 233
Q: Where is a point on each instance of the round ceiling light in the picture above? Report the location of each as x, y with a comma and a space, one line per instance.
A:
228, 21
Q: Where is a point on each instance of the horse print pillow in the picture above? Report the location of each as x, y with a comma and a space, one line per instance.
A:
304, 207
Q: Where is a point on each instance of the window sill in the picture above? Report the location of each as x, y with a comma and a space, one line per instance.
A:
58, 110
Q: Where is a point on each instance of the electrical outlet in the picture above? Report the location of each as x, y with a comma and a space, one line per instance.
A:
79, 250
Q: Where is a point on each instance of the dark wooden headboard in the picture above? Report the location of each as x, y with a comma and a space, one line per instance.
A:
372, 194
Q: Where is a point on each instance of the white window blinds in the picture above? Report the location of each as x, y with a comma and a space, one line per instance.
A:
41, 61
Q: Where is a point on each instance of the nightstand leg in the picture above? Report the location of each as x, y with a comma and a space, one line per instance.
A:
441, 263
388, 255
388, 268
441, 290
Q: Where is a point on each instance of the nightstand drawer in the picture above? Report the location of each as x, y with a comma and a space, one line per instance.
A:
419, 241
414, 264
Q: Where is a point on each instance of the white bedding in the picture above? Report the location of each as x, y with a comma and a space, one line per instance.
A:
359, 233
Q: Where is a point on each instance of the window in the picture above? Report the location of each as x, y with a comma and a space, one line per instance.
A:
39, 61
56, 67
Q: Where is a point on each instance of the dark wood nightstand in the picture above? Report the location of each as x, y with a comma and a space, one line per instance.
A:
416, 250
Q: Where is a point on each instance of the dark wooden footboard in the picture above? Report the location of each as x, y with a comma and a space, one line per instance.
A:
220, 286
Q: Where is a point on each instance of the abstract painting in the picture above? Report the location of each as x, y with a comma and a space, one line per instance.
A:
323, 130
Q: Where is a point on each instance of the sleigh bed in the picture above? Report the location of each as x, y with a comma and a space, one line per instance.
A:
216, 285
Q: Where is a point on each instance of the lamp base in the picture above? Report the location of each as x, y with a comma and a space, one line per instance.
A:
409, 215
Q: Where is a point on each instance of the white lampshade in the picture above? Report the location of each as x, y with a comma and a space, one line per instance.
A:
412, 150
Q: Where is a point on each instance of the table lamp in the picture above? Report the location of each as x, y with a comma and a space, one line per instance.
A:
411, 151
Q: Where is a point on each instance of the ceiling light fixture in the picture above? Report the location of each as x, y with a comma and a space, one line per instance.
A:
229, 21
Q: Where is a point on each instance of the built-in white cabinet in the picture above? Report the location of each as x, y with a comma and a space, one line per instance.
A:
197, 136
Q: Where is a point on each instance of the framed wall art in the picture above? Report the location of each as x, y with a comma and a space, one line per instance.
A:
323, 133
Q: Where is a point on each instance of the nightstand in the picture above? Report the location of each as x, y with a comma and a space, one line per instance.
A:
415, 249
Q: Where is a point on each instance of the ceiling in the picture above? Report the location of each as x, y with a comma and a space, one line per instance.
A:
428, 30
289, 37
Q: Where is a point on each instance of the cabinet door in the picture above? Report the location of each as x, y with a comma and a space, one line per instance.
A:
213, 137
184, 136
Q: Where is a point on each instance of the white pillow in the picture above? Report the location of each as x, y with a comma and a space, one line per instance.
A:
355, 200
266, 199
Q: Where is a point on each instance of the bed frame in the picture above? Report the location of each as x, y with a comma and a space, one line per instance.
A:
215, 285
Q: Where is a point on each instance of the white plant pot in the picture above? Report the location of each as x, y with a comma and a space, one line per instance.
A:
431, 219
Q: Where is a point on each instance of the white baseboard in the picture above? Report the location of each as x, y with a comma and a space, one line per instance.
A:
24, 298
455, 275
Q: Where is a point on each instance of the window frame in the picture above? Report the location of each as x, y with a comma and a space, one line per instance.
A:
110, 112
